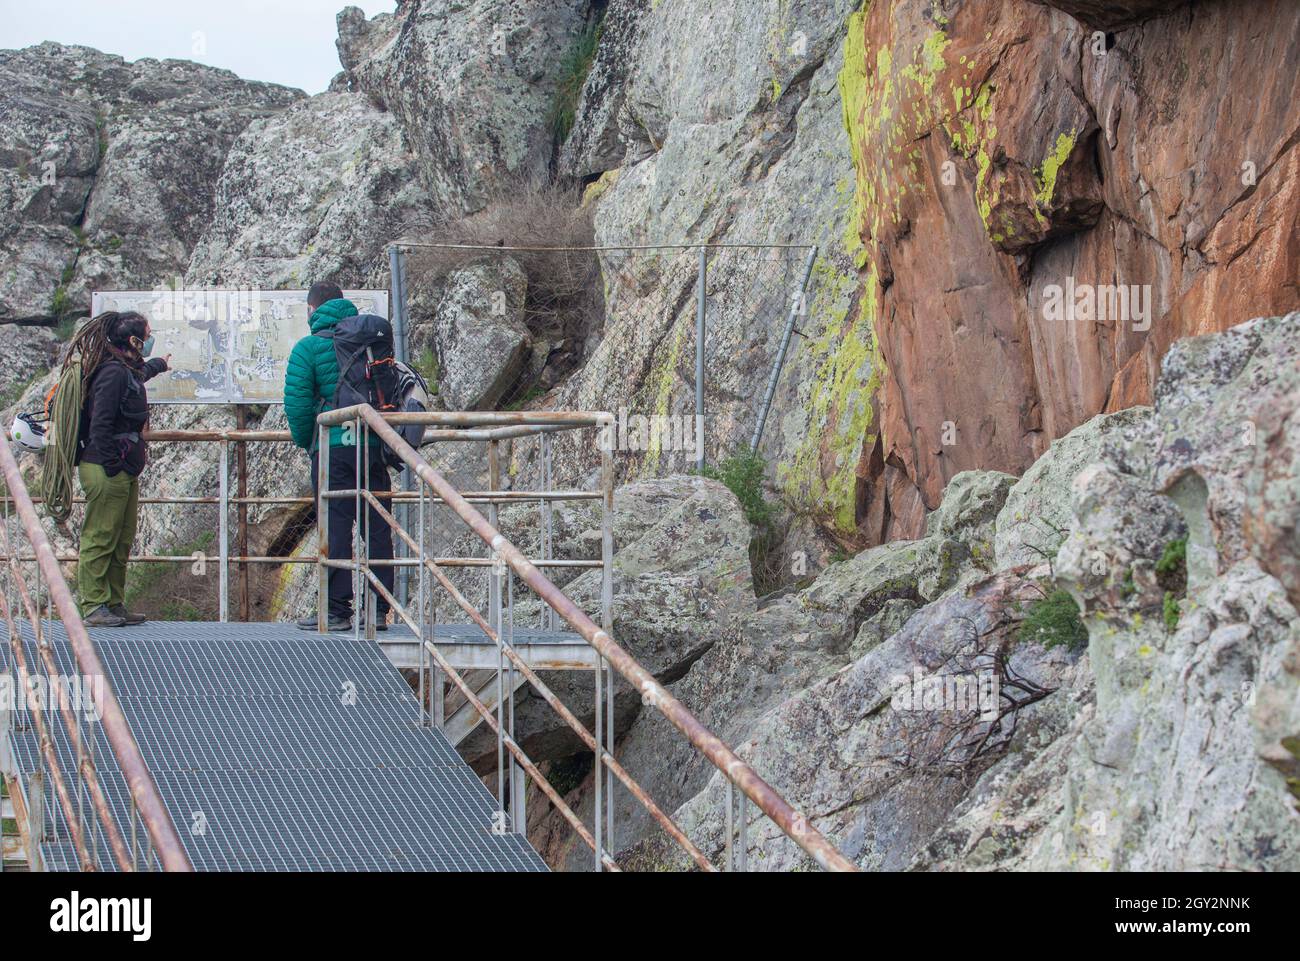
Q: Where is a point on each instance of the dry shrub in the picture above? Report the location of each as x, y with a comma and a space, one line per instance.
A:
961, 740
547, 231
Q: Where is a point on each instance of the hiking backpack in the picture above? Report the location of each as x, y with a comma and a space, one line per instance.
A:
370, 373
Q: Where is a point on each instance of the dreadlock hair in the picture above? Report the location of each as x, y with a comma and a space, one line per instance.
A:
99, 336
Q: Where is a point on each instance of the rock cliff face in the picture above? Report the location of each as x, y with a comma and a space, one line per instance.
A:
1023, 211
1166, 740
724, 125
1042, 196
317, 190
1013, 161
107, 170
471, 84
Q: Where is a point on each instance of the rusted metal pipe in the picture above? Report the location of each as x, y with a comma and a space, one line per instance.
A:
299, 559
85, 764
490, 719
47, 748
560, 708
793, 823
472, 496
460, 426
469, 418
216, 436
117, 731
422, 245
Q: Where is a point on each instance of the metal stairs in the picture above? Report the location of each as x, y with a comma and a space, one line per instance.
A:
276, 749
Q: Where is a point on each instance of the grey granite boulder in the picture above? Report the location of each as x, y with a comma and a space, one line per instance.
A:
470, 83
315, 192
479, 335
108, 171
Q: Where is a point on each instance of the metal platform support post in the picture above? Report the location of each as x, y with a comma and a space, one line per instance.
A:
436, 680
241, 511
36, 832
607, 613
322, 526
369, 601
397, 314
700, 295
496, 573
547, 523
597, 780
518, 777
7, 767
223, 532
357, 584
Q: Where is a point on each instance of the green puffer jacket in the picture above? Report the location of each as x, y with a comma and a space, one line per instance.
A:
313, 375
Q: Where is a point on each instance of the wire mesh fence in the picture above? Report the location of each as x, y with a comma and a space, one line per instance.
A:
681, 343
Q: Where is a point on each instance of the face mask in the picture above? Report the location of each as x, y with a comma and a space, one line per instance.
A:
146, 348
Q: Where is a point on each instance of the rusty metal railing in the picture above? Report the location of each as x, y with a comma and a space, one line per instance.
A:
513, 767
513, 764
92, 709
232, 546
232, 559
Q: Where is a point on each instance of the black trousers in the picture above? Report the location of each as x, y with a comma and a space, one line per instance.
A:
342, 517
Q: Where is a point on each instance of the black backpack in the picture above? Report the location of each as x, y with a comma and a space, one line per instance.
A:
370, 373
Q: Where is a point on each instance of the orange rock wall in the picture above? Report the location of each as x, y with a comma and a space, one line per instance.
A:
1008, 154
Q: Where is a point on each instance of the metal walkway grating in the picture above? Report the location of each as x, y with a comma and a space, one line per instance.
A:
276, 749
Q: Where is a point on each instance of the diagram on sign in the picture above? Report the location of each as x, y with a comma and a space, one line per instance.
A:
226, 346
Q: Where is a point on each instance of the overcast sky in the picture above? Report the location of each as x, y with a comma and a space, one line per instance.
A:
283, 41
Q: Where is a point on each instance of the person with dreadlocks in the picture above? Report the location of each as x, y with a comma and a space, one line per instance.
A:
110, 455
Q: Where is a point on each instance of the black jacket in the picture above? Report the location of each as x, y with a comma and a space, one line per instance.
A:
113, 414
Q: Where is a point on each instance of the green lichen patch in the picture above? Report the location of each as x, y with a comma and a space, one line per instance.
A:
1045, 176
846, 373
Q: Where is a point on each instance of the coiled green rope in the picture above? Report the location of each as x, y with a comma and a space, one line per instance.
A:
61, 444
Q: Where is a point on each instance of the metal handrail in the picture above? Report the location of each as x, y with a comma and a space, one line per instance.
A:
144, 793
494, 427
792, 823
444, 426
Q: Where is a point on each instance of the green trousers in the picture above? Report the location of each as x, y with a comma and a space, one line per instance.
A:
106, 536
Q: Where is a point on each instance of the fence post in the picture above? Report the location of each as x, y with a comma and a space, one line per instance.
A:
7, 765
322, 527
397, 300
699, 351
241, 512
397, 312
795, 304
495, 583
607, 617
223, 533
35, 812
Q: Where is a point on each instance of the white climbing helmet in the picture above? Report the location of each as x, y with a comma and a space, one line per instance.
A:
28, 432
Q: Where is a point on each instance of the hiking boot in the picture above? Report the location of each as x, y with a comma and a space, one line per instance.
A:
102, 617
127, 617
334, 625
